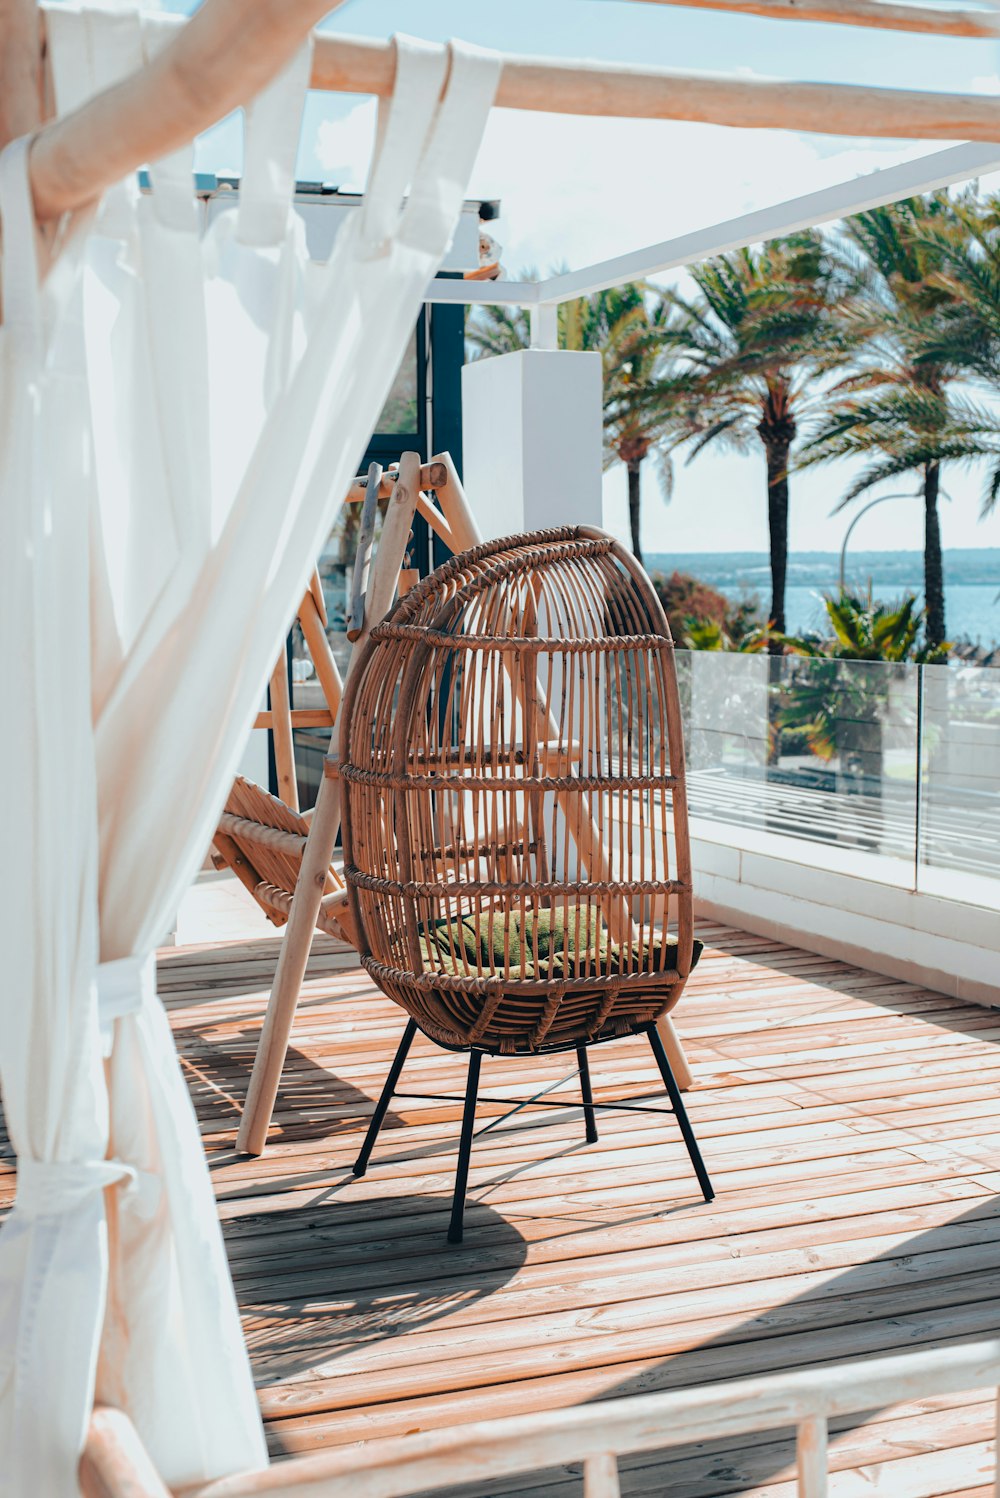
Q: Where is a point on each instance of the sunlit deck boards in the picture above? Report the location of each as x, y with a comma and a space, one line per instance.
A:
852, 1126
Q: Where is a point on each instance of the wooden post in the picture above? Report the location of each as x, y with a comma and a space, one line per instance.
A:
273, 1045
600, 1476
812, 1457
281, 731
327, 670
362, 560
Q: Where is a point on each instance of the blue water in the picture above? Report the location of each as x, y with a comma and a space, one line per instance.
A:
972, 583
971, 611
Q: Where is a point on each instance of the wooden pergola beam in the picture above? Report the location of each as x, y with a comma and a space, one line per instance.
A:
21, 42
875, 13
357, 65
224, 55
228, 51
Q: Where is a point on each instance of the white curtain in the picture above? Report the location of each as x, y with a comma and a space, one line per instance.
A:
180, 414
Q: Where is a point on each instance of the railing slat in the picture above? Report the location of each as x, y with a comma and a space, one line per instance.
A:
600, 1476
812, 1456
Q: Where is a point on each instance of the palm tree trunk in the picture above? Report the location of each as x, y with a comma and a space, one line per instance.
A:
777, 525
633, 507
933, 565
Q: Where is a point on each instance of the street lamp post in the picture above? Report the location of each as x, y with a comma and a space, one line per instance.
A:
864, 511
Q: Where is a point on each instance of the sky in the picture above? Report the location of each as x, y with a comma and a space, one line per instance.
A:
575, 191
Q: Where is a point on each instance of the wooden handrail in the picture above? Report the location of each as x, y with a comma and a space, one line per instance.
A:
806, 1398
228, 51
115, 1464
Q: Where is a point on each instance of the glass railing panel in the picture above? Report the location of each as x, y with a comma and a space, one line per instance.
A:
814, 750
726, 727
959, 813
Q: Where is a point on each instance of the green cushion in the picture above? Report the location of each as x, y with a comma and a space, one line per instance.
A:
564, 942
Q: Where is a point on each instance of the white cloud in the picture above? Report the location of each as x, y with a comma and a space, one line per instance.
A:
576, 191
344, 145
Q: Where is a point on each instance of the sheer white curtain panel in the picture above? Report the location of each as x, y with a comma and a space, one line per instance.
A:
181, 410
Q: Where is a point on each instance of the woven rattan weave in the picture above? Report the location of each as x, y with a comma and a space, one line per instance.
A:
513, 789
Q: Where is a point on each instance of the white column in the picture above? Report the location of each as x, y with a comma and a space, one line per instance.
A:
531, 425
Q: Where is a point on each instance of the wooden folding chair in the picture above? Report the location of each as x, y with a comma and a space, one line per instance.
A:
262, 840
261, 837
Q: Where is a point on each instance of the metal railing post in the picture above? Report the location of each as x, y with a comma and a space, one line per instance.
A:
919, 801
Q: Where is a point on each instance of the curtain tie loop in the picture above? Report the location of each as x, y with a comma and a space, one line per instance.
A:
123, 986
46, 1188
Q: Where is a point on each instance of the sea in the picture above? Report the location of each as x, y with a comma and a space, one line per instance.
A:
972, 583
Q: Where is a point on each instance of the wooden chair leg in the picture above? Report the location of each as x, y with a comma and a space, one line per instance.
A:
291, 970
385, 1098
456, 1226
675, 1052
589, 1115
281, 731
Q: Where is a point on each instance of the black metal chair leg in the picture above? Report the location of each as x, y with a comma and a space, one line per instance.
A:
465, 1148
677, 1103
589, 1115
382, 1106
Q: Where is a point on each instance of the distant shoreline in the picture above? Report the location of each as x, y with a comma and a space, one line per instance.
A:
962, 564
971, 574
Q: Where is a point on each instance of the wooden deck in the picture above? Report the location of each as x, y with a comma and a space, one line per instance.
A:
852, 1126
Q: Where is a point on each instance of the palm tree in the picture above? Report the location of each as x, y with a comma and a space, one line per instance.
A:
496, 330
966, 333
862, 629
900, 411
628, 326
753, 338
624, 325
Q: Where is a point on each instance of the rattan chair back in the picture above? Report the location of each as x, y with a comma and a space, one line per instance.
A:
514, 815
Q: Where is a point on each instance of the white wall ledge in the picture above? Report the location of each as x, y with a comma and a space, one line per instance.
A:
942, 944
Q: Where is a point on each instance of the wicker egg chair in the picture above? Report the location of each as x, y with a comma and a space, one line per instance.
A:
512, 771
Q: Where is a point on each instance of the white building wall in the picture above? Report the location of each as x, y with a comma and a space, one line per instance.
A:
531, 432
